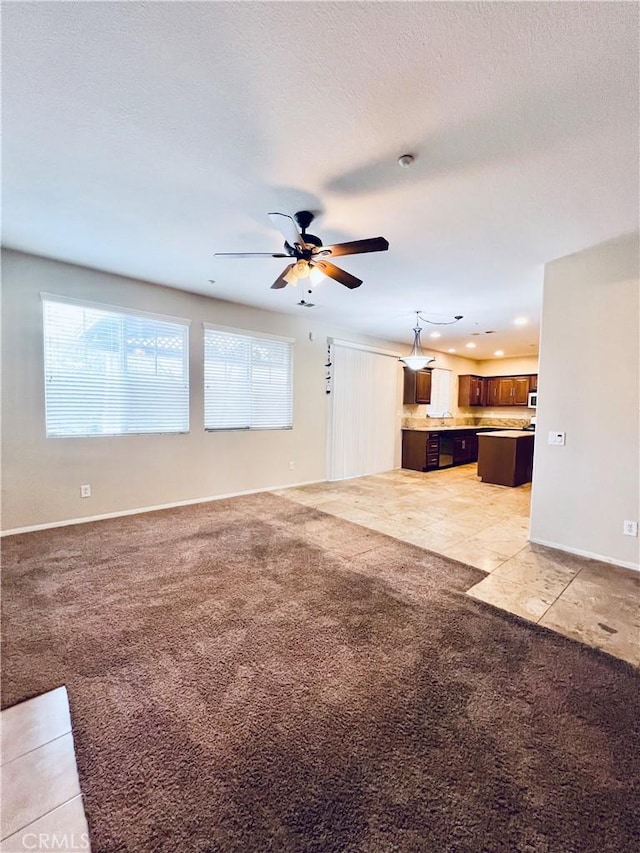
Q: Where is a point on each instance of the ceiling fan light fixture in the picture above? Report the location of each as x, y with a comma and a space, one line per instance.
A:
417, 359
316, 276
302, 269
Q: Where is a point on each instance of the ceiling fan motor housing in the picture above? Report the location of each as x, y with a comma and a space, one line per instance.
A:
304, 218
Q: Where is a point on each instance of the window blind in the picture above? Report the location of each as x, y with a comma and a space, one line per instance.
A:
364, 423
108, 372
247, 381
440, 393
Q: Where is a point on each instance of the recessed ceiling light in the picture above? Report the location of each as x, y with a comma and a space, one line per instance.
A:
521, 321
471, 346
435, 335
406, 161
499, 352
450, 350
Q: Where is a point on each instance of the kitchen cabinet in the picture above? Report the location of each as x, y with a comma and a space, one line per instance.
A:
417, 386
414, 449
505, 457
465, 449
426, 450
505, 391
420, 450
497, 390
433, 450
471, 390
492, 391
521, 385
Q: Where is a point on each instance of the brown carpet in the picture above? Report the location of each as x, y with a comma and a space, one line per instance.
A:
254, 675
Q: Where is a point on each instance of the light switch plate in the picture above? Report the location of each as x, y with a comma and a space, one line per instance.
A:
556, 438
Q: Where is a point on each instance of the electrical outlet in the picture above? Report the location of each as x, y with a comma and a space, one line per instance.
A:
556, 438
630, 528
292, 465
85, 491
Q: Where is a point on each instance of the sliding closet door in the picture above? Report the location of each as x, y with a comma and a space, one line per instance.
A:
364, 425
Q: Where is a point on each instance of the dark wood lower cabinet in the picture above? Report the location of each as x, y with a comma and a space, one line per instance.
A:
465, 449
425, 451
506, 460
414, 449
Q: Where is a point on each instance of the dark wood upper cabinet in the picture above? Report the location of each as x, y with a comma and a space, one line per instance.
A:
513, 391
471, 390
521, 385
495, 390
505, 391
417, 386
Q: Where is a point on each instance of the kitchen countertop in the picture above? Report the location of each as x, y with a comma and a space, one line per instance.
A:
469, 428
511, 433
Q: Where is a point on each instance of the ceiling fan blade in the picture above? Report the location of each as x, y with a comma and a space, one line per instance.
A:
250, 255
355, 247
280, 281
337, 274
286, 225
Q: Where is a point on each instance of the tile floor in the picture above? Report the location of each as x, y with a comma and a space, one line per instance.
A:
453, 513
41, 801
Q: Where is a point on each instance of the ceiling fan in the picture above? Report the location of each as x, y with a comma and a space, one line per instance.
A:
309, 256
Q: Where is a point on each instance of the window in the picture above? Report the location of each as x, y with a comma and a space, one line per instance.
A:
113, 372
440, 393
247, 381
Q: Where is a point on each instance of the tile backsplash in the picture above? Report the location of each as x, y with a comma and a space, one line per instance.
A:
411, 420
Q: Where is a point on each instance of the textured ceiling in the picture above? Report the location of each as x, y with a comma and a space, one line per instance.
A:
140, 138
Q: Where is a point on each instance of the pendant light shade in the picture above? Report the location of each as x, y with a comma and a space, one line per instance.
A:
416, 360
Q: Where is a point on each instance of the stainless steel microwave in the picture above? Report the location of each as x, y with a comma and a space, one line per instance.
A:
533, 399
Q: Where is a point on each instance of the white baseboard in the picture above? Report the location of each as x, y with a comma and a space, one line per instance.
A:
139, 510
589, 554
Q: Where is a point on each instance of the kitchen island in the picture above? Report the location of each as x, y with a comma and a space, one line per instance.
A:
505, 457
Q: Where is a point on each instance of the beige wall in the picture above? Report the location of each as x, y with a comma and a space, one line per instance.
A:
589, 388
508, 366
42, 477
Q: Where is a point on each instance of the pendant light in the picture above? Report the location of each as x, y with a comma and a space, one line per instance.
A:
416, 360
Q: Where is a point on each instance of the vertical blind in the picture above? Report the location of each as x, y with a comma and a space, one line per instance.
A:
440, 392
364, 403
247, 381
109, 372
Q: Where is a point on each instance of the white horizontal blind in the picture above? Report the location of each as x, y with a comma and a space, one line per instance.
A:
112, 373
440, 393
247, 381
